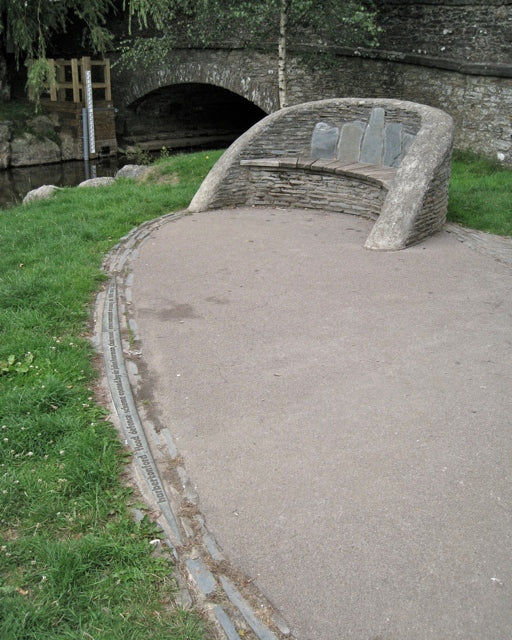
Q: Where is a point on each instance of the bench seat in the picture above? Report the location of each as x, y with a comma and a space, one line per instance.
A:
373, 173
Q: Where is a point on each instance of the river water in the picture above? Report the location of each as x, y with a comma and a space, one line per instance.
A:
18, 181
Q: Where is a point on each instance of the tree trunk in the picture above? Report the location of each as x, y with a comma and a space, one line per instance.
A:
5, 88
282, 79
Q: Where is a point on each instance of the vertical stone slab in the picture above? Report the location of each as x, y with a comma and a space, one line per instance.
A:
324, 141
393, 144
373, 141
407, 140
349, 147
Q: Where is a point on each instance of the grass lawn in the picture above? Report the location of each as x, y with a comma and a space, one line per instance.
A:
73, 562
480, 194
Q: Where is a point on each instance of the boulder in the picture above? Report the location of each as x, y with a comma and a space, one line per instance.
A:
97, 182
5, 131
54, 119
133, 171
41, 193
28, 149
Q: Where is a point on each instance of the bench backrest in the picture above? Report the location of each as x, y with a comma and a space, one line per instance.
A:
374, 142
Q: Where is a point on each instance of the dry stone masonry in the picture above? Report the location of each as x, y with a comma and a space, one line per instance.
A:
454, 55
384, 159
467, 30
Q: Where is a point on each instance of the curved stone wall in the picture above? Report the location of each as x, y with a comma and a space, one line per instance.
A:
416, 200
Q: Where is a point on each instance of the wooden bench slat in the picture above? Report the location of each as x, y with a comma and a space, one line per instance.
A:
370, 172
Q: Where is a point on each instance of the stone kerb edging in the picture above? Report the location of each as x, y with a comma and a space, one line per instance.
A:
415, 205
233, 606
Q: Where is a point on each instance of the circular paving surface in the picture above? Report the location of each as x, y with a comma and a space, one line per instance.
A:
343, 414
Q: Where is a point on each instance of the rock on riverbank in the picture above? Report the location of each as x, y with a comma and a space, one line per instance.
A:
43, 141
130, 172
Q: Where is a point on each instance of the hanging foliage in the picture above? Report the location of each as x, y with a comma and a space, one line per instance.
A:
267, 24
27, 26
154, 27
40, 78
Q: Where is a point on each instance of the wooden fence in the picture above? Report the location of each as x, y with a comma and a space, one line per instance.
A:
68, 97
70, 79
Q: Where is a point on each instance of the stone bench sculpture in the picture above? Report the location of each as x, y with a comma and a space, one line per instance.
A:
384, 159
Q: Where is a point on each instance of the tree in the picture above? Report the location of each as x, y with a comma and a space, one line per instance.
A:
262, 23
319, 22
324, 22
28, 26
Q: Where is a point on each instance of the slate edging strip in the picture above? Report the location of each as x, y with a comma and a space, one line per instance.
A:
204, 578
200, 565
134, 435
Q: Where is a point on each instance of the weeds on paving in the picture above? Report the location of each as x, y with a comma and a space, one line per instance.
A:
73, 561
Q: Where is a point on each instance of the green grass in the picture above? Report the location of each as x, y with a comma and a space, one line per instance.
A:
480, 194
73, 561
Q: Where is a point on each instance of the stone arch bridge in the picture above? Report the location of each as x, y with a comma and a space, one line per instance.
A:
208, 97
195, 97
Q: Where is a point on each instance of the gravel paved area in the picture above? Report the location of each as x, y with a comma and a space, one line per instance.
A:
344, 415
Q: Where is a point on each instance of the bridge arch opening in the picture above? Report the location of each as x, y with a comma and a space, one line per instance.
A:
186, 116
